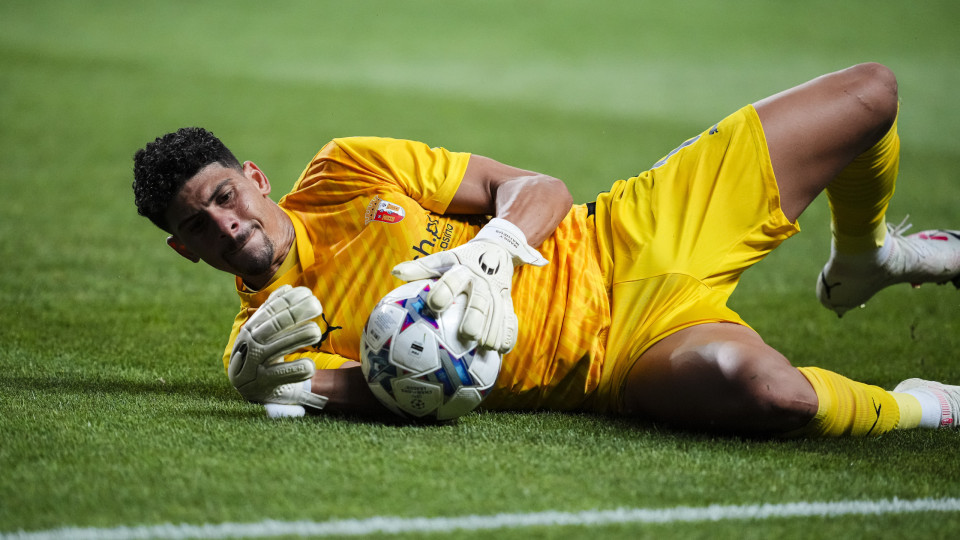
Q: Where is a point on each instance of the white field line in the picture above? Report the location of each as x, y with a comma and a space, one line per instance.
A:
396, 525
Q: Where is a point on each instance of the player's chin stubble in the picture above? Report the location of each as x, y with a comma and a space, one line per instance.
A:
257, 262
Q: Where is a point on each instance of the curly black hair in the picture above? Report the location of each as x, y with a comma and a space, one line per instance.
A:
163, 166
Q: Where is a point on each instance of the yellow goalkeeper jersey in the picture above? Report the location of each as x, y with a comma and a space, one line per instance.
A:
364, 204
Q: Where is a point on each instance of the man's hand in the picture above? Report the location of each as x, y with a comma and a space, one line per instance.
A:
483, 270
280, 326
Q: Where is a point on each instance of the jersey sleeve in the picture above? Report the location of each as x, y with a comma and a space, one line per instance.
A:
430, 176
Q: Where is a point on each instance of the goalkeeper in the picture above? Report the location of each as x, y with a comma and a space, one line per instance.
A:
630, 314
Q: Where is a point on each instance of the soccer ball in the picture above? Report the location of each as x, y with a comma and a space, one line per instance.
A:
416, 364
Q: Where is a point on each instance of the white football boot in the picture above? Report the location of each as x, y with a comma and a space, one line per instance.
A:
847, 281
948, 396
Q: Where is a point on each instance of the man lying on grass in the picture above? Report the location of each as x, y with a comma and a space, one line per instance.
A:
630, 315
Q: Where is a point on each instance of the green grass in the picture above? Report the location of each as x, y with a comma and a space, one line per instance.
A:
113, 406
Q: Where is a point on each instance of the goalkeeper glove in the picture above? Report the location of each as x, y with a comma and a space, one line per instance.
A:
280, 326
483, 269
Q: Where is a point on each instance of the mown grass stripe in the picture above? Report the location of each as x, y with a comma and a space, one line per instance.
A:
396, 525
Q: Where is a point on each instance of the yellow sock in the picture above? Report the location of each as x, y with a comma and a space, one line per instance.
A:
910, 410
848, 407
859, 196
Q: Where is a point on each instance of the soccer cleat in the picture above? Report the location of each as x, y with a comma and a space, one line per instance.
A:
948, 396
848, 281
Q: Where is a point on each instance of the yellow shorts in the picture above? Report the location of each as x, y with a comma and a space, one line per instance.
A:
675, 240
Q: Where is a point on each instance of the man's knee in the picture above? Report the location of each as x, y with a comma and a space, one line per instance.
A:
875, 88
766, 382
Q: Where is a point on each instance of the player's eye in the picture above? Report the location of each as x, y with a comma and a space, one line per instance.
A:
225, 197
197, 224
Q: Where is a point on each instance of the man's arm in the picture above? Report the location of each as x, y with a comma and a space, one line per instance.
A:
534, 202
527, 208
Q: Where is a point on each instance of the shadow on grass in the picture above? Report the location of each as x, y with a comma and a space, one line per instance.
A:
904, 442
114, 385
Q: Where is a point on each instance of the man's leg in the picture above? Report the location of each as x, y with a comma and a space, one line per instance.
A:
719, 376
723, 377
838, 132
815, 130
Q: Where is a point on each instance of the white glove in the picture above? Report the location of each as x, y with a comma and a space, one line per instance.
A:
282, 325
483, 269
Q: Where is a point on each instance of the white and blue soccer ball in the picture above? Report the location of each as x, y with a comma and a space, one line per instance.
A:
416, 364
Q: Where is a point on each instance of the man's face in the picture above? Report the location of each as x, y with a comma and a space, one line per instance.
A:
224, 217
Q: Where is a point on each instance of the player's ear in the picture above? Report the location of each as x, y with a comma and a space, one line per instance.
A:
182, 249
251, 171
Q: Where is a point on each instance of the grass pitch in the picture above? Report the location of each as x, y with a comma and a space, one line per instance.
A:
114, 410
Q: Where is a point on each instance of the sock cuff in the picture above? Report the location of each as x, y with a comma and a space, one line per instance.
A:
862, 243
911, 411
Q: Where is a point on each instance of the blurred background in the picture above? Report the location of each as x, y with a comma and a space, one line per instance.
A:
98, 315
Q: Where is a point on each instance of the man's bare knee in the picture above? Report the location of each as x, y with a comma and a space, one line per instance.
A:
768, 384
875, 88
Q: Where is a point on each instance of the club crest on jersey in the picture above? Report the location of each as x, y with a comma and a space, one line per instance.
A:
383, 211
